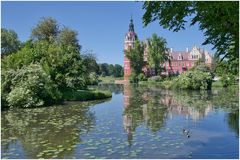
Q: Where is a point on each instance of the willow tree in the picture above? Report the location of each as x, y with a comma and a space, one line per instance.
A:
135, 55
157, 52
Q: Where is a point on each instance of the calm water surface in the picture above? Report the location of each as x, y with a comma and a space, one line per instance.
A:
137, 122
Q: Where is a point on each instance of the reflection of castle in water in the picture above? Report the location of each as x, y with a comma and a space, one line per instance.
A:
127, 118
154, 100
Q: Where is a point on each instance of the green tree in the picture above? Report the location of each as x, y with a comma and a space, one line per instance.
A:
65, 66
68, 37
62, 63
111, 69
46, 29
118, 70
90, 61
9, 42
218, 20
157, 52
104, 70
135, 55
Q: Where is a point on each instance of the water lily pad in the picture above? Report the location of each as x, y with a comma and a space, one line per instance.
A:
90, 148
92, 156
87, 154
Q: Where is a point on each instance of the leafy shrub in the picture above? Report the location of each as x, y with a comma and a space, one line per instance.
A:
227, 80
195, 80
167, 84
83, 95
30, 87
93, 78
133, 78
141, 77
201, 67
6, 83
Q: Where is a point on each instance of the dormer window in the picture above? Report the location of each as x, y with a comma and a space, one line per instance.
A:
180, 57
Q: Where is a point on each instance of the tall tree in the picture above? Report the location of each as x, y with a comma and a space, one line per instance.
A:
218, 20
118, 70
9, 42
135, 55
157, 52
68, 37
111, 69
90, 61
104, 69
46, 29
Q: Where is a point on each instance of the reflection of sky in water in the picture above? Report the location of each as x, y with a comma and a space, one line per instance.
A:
147, 125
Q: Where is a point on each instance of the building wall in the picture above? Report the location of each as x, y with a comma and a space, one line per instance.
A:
127, 63
179, 66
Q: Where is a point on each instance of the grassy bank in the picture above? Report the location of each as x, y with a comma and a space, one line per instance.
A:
164, 84
167, 84
84, 95
109, 79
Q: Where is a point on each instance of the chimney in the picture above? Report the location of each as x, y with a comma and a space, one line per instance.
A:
170, 50
187, 49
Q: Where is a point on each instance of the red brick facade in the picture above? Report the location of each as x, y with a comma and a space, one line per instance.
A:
182, 61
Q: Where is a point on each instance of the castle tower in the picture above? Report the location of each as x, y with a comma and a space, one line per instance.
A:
129, 41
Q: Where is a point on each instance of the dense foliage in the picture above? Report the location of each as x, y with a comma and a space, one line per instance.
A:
110, 70
135, 55
196, 80
9, 42
46, 29
83, 95
29, 86
157, 52
68, 37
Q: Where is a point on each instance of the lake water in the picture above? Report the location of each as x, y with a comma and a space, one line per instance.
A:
137, 122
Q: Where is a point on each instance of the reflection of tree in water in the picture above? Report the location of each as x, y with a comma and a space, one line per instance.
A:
188, 103
198, 104
114, 88
151, 105
51, 131
228, 99
141, 106
233, 121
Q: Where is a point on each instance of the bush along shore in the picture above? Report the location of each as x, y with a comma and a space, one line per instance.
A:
198, 78
84, 95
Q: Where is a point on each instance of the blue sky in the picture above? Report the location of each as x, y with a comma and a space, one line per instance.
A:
101, 25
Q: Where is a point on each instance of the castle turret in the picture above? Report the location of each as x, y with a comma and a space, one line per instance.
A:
129, 41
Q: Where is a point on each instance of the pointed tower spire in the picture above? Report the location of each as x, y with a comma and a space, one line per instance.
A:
131, 25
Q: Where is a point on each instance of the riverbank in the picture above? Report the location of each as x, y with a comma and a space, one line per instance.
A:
86, 95
167, 84
109, 79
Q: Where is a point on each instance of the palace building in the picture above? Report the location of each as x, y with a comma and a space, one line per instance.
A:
180, 61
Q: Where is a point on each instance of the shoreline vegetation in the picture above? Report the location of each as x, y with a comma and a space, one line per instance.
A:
200, 77
166, 84
86, 95
109, 79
